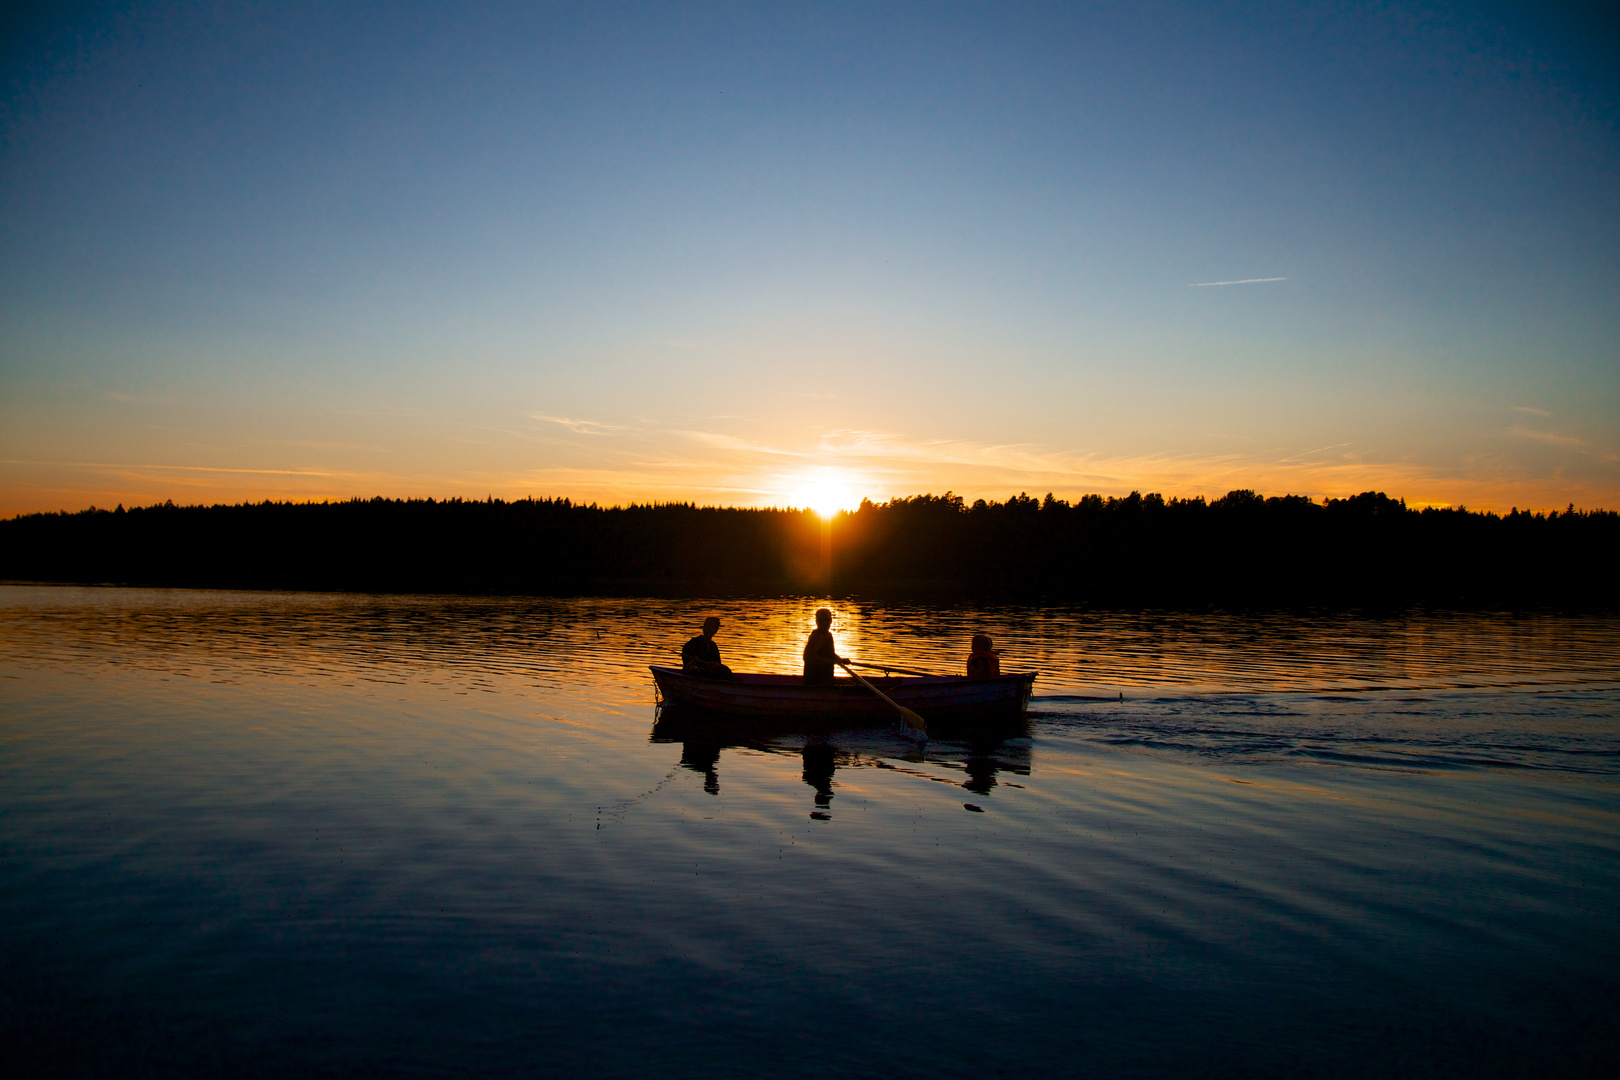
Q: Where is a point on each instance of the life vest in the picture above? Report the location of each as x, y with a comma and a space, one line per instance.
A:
984, 665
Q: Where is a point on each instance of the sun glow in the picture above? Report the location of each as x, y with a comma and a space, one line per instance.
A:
826, 493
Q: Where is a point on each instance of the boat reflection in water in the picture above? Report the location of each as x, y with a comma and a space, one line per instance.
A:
826, 744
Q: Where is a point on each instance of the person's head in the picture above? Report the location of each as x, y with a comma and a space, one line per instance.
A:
982, 643
823, 618
710, 625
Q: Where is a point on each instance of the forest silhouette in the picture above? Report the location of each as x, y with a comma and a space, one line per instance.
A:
1239, 550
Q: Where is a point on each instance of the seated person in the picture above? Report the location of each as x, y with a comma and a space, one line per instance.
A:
819, 654
985, 661
701, 656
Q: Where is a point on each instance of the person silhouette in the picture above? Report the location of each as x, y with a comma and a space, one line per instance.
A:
703, 757
701, 656
981, 767
819, 653
985, 660
820, 761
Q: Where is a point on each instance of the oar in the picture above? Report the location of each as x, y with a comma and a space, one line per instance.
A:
905, 714
891, 667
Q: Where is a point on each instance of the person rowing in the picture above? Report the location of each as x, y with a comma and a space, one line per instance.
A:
701, 656
819, 653
820, 656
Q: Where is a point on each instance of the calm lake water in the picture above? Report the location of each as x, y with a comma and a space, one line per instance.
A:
275, 834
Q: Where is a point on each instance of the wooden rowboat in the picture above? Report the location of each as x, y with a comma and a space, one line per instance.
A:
950, 698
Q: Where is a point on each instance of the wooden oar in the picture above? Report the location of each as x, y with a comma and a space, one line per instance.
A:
905, 714
901, 670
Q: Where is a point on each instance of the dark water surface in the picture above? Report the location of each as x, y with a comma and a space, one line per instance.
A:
263, 834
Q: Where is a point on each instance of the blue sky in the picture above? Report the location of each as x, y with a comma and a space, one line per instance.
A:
755, 253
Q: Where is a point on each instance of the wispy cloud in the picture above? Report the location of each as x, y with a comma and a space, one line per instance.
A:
579, 427
1550, 437
723, 441
1239, 281
1529, 409
171, 468
1303, 454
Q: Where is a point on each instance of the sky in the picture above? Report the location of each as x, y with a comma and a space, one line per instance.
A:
806, 253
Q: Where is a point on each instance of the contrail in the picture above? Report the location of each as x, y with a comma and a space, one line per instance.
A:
1244, 281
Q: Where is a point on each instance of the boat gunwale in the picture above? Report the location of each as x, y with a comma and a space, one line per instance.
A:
777, 680
762, 694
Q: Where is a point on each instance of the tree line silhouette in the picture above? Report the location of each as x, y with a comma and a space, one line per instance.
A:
1241, 549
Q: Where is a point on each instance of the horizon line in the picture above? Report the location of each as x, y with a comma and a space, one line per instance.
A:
1415, 505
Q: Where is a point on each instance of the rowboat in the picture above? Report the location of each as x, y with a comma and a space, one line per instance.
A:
949, 698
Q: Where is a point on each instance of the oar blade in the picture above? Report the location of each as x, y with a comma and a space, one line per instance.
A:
906, 714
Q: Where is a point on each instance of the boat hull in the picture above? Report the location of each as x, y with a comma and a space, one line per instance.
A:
950, 698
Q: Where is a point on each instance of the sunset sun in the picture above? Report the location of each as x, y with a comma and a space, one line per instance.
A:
826, 493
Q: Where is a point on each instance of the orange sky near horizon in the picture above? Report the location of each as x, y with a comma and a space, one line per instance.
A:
838, 470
